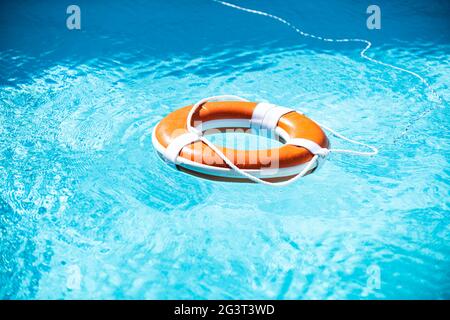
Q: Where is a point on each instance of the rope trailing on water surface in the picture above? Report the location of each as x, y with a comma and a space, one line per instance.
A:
308, 167
436, 97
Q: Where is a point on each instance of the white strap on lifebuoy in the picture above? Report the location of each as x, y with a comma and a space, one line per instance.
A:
266, 116
174, 148
273, 116
313, 147
259, 113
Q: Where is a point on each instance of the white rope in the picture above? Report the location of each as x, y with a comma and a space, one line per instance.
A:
358, 153
368, 44
189, 125
194, 130
313, 161
253, 178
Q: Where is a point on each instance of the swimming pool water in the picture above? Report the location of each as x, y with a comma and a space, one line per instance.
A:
88, 210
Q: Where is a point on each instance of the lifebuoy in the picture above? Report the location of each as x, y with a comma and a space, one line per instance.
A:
302, 137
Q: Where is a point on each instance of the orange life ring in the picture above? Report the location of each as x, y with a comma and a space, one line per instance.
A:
199, 159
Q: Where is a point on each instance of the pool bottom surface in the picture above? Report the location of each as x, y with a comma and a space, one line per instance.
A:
88, 210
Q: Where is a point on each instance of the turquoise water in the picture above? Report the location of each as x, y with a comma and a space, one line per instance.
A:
88, 210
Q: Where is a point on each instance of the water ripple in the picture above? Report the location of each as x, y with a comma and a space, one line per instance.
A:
88, 210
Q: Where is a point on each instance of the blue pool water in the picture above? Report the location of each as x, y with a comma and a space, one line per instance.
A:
87, 209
